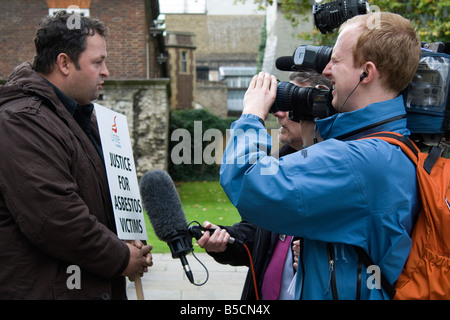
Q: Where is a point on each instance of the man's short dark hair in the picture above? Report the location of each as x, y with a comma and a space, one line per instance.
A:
55, 35
312, 77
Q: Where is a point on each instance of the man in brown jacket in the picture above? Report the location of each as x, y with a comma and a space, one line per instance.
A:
56, 215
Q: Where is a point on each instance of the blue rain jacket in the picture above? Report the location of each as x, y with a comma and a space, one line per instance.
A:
352, 192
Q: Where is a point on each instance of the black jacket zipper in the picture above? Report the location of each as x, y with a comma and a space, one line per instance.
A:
302, 265
331, 267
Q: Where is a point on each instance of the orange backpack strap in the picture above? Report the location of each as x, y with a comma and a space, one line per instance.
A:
425, 275
367, 261
409, 148
412, 151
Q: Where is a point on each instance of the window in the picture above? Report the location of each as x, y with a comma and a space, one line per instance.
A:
237, 80
203, 73
184, 62
70, 9
235, 100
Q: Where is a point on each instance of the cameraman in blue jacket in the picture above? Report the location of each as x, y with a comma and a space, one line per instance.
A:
342, 192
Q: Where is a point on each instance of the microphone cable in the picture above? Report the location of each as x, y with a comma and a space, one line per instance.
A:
340, 109
252, 268
206, 269
201, 263
195, 233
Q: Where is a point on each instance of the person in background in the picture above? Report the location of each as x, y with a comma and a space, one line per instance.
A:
262, 243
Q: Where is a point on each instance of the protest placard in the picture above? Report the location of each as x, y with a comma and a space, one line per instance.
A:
121, 173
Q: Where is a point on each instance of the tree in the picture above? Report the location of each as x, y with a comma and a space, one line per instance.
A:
430, 17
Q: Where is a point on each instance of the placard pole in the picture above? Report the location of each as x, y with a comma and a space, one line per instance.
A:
138, 286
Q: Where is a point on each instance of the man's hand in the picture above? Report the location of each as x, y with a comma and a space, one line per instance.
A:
140, 259
260, 95
217, 242
296, 250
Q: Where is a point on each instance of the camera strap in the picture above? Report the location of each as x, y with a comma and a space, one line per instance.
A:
355, 132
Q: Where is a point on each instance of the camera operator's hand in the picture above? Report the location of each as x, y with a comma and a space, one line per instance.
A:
260, 95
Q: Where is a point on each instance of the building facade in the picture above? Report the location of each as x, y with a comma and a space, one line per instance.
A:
226, 36
138, 85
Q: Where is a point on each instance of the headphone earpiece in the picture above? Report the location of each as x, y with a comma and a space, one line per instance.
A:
363, 75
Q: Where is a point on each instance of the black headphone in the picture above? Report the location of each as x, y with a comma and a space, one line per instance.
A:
363, 75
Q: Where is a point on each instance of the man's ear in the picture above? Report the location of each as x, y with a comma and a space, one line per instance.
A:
63, 61
369, 72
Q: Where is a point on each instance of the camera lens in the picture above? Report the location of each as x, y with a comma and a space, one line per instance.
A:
293, 98
329, 16
288, 95
303, 103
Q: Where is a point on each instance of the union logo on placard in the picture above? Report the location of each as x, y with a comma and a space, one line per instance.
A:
114, 134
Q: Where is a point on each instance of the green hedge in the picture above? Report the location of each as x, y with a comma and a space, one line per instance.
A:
185, 119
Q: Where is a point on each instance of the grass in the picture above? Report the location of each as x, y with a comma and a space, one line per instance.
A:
201, 201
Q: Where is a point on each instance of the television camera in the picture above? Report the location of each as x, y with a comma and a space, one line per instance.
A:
426, 97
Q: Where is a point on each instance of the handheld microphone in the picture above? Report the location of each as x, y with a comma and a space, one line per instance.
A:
163, 206
196, 232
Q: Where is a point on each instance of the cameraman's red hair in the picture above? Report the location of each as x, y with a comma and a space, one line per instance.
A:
391, 43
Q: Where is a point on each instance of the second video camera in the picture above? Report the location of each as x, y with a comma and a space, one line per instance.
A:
310, 103
304, 103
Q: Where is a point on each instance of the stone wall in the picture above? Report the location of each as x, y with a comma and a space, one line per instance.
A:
228, 38
145, 103
212, 95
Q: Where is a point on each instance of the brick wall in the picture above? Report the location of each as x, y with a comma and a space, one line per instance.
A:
17, 30
126, 44
127, 35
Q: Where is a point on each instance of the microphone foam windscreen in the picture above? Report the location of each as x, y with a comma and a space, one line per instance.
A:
285, 63
163, 205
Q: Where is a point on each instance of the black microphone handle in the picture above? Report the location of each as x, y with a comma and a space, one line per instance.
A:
180, 245
187, 268
196, 232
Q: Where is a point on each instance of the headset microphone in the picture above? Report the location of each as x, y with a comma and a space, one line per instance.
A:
361, 78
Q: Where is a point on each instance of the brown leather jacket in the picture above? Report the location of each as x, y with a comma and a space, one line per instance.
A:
55, 207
